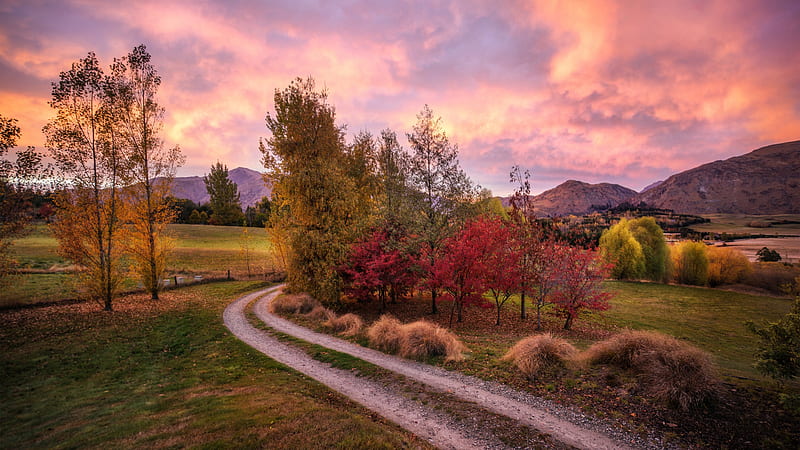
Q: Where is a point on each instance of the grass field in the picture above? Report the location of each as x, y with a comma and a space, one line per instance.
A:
164, 374
738, 224
209, 251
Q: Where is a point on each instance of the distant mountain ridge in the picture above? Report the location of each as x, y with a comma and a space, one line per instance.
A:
250, 184
577, 197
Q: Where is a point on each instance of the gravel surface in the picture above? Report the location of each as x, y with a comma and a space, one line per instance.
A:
567, 426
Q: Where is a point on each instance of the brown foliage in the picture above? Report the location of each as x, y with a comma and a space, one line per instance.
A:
423, 339
293, 304
349, 324
385, 334
321, 313
727, 266
540, 353
670, 370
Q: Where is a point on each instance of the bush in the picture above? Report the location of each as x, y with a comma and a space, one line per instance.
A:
779, 350
767, 255
670, 370
540, 354
727, 266
293, 304
385, 334
423, 339
347, 325
320, 314
773, 277
690, 263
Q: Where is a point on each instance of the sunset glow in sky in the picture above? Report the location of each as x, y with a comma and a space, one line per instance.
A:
626, 92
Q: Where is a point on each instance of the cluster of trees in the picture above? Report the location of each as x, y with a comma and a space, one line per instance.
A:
377, 221
114, 206
636, 249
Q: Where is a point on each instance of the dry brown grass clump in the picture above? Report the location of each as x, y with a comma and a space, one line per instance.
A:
539, 354
668, 369
292, 304
347, 325
385, 334
321, 314
423, 339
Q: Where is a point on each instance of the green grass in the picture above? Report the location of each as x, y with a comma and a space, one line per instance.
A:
163, 376
738, 224
712, 319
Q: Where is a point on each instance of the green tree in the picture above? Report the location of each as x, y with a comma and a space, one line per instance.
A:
225, 206
690, 262
307, 163
650, 237
444, 188
778, 353
620, 249
767, 255
150, 168
84, 141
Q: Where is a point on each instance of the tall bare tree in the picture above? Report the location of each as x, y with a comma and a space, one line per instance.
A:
151, 166
83, 141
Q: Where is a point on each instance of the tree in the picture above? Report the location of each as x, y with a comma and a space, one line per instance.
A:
727, 266
503, 269
461, 267
767, 255
778, 352
226, 208
307, 165
545, 273
690, 263
650, 237
444, 188
620, 249
396, 197
258, 214
84, 141
527, 232
15, 196
151, 167
580, 283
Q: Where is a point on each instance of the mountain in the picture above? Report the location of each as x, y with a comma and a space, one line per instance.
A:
577, 197
764, 181
651, 186
250, 184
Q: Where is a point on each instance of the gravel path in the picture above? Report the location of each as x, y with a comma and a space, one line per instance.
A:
567, 426
426, 423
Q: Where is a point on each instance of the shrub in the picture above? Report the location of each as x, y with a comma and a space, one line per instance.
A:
773, 277
292, 304
767, 255
779, 350
690, 263
539, 354
320, 314
385, 334
423, 339
670, 370
347, 325
727, 266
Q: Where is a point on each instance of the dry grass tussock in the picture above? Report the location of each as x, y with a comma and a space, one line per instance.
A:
347, 325
293, 304
543, 353
670, 370
385, 334
321, 314
423, 339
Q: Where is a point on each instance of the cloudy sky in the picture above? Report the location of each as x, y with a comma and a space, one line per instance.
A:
627, 92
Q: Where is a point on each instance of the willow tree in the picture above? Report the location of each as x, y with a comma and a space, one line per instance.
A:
306, 162
443, 187
151, 166
83, 140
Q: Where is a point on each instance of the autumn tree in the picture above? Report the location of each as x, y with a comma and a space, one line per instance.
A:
502, 268
620, 249
306, 162
579, 288
84, 141
727, 266
544, 272
650, 237
690, 263
396, 196
226, 208
526, 232
444, 188
15, 195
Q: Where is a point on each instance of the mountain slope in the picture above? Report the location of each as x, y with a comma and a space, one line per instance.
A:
250, 184
576, 197
764, 181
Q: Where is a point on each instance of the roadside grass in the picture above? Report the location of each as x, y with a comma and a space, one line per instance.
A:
205, 250
163, 374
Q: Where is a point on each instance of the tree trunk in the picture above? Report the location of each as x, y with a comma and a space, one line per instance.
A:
522, 314
498, 314
460, 309
568, 323
434, 310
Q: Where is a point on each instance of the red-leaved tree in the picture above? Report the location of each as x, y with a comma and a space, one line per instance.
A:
581, 273
460, 270
503, 265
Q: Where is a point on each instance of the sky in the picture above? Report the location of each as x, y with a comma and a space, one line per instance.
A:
626, 92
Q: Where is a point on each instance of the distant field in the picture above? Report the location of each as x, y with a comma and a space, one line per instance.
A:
789, 248
209, 251
739, 223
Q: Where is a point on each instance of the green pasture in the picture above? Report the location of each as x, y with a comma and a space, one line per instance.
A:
169, 376
738, 224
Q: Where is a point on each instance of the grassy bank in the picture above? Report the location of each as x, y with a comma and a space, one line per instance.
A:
164, 374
